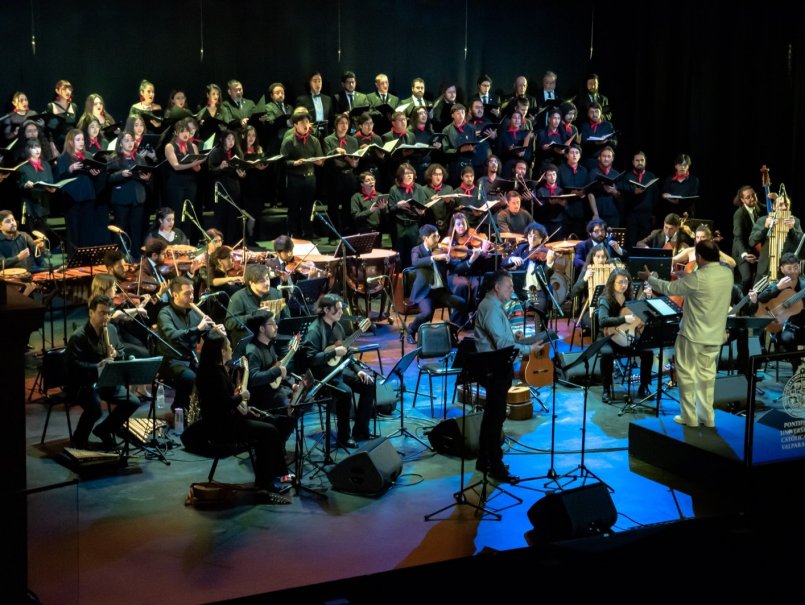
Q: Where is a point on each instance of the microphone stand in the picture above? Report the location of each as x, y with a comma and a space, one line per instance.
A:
324, 218
145, 325
243, 218
392, 307
325, 383
126, 249
191, 216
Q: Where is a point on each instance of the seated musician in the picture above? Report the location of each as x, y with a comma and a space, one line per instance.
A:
513, 219
215, 239
17, 248
265, 369
182, 327
163, 229
431, 283
599, 234
227, 415
532, 256
688, 255
152, 263
123, 313
792, 334
672, 236
256, 292
789, 230
598, 256
320, 345
89, 349
369, 209
220, 274
465, 281
613, 316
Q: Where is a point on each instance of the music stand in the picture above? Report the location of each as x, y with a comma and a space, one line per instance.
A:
583, 472
362, 243
298, 407
399, 370
479, 366
82, 257
288, 326
307, 292
127, 373
653, 336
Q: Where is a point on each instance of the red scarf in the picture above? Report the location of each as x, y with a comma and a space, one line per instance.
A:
94, 143
79, 155
420, 128
568, 129
639, 175
371, 196
302, 137
181, 145
409, 189
37, 165
513, 130
342, 143
680, 179
228, 154
465, 189
128, 156
575, 168
439, 188
552, 189
594, 126
367, 138
399, 134
250, 150
460, 127
604, 170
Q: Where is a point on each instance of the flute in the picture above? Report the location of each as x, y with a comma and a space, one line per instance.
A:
217, 327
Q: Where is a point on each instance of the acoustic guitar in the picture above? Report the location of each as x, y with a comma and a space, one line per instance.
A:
537, 369
293, 346
782, 307
365, 324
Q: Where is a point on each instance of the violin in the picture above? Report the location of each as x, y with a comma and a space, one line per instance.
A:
304, 267
539, 254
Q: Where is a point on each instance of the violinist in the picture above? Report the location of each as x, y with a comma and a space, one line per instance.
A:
672, 236
763, 228
152, 264
89, 349
431, 282
221, 273
460, 244
613, 313
439, 213
215, 239
369, 208
793, 332
182, 327
128, 191
534, 257
247, 300
688, 255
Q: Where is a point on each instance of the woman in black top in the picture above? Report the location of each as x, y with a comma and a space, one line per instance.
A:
614, 316
67, 112
36, 200
226, 183
228, 418
163, 228
128, 192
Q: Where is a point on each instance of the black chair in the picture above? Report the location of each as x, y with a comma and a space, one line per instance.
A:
435, 342
53, 376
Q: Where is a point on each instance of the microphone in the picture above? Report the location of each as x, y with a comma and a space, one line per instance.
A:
284, 287
38, 235
215, 191
204, 297
312, 211
184, 211
115, 229
371, 280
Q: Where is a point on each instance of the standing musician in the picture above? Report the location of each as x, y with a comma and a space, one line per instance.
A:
493, 332
672, 236
89, 349
249, 299
322, 343
783, 228
707, 295
746, 214
128, 191
533, 256
792, 334
227, 416
182, 327
180, 177
613, 315
431, 283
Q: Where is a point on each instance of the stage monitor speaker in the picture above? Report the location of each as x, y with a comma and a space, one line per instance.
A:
369, 471
574, 513
577, 375
446, 437
730, 392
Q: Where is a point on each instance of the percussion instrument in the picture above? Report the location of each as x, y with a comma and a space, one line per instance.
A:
376, 263
326, 263
182, 250
512, 237
16, 274
560, 284
74, 284
567, 244
518, 403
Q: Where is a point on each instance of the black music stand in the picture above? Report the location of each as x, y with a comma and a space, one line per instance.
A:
299, 408
127, 373
288, 326
653, 336
305, 293
479, 367
82, 257
362, 243
399, 370
582, 470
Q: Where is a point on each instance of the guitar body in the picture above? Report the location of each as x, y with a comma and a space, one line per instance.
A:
365, 324
625, 334
537, 370
782, 307
292, 348
518, 403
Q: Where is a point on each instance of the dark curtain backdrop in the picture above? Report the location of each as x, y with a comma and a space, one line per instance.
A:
679, 78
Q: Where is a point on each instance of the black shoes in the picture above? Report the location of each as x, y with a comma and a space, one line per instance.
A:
499, 472
606, 396
347, 444
410, 338
106, 437
643, 392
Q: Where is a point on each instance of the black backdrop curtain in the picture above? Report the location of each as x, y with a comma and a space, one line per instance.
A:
680, 76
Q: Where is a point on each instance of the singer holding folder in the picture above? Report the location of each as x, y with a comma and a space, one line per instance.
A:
128, 192
298, 148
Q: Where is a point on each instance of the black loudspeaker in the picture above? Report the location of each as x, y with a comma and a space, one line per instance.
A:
573, 513
576, 376
369, 471
730, 392
446, 437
